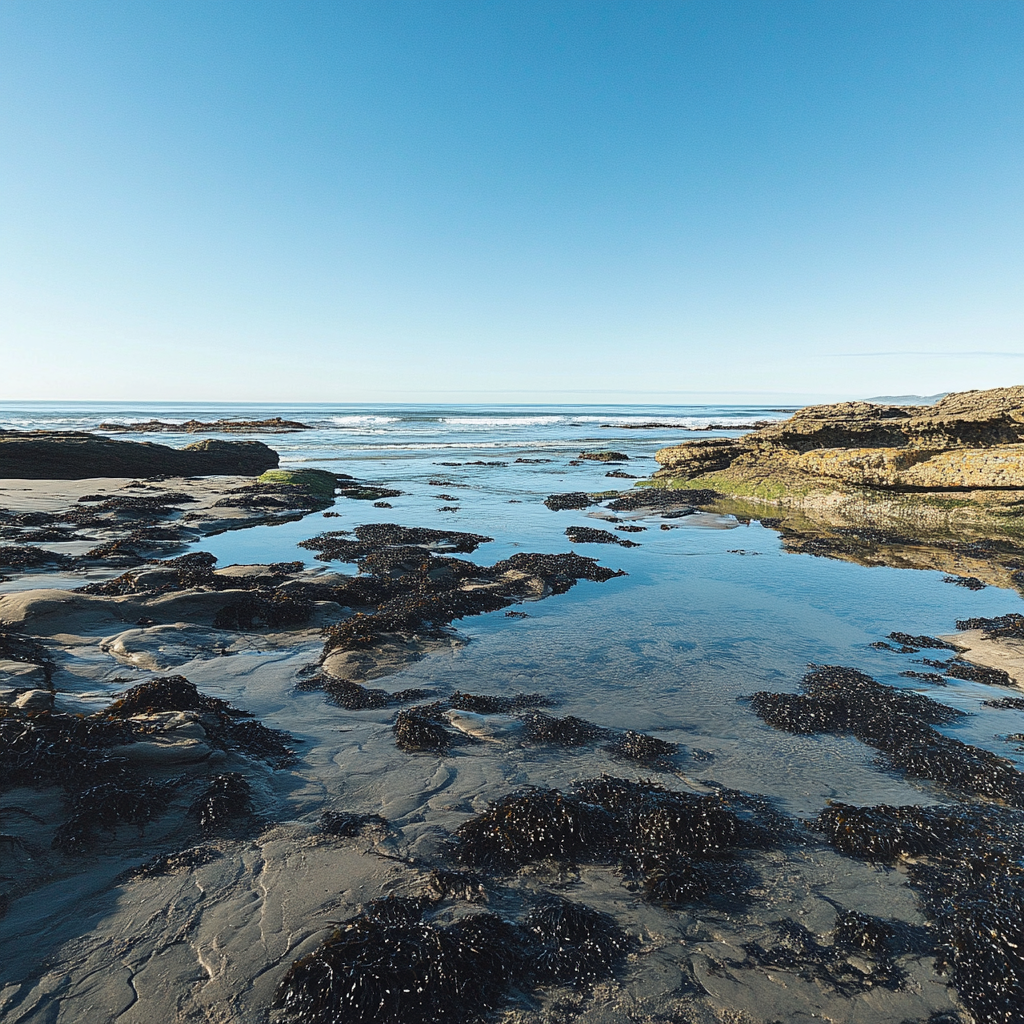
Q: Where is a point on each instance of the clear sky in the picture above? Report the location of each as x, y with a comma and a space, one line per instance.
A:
509, 200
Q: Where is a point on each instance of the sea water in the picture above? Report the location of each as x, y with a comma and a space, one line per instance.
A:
710, 610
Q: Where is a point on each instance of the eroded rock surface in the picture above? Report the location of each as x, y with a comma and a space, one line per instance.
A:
59, 455
967, 441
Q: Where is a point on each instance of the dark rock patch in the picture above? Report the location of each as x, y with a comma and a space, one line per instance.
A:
573, 500
607, 456
67, 455
273, 425
588, 535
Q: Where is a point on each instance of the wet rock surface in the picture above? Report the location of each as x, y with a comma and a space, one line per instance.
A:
41, 455
913, 486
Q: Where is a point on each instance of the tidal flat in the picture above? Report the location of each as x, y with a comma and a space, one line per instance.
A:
436, 748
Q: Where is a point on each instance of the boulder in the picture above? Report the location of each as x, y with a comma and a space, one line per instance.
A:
56, 455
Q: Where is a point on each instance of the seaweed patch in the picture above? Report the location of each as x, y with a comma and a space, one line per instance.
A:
896, 722
227, 799
971, 885
388, 965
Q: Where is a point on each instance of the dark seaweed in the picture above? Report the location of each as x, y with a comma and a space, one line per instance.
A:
978, 674
374, 537
169, 863
354, 697
569, 731
636, 746
564, 502
922, 641
26, 649
421, 729
843, 700
264, 608
422, 594
794, 948
648, 829
533, 824
28, 557
167, 693
573, 944
588, 535
107, 805
972, 887
661, 498
970, 582
226, 799
407, 972
1011, 625
484, 704
1016, 703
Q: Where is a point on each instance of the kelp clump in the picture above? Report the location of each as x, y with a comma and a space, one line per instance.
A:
389, 966
671, 840
534, 824
420, 729
226, 800
648, 750
896, 722
107, 805
410, 591
971, 884
220, 721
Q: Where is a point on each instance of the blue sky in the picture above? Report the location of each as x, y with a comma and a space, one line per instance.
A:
545, 201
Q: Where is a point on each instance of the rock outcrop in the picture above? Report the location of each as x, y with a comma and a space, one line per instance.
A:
54, 455
274, 425
969, 441
937, 487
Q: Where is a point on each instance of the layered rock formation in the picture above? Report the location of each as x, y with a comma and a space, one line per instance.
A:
937, 487
969, 441
54, 455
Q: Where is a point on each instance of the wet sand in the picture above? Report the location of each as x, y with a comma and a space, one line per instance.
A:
83, 941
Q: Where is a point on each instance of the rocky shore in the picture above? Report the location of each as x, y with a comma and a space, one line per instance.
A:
408, 854
939, 486
273, 425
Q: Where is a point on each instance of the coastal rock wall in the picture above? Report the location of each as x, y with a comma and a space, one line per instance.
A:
51, 455
968, 441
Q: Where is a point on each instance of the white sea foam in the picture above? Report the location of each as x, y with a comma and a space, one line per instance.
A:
356, 420
485, 422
